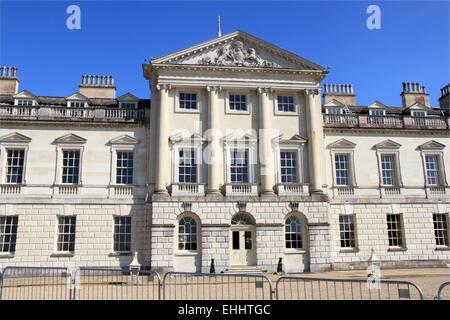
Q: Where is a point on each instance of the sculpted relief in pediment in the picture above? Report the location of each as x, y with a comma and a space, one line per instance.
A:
236, 53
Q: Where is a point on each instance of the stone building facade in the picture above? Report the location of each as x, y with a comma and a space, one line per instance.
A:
236, 159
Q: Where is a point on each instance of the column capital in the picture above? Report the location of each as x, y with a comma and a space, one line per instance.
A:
163, 86
214, 89
314, 91
264, 90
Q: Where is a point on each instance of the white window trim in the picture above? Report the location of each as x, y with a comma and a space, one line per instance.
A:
441, 167
248, 145
376, 109
188, 90
413, 111
128, 101
341, 110
56, 252
355, 224
59, 163
303, 232
33, 102
113, 165
195, 144
403, 235
397, 169
119, 252
290, 147
289, 94
351, 159
4, 147
247, 100
86, 104
179, 252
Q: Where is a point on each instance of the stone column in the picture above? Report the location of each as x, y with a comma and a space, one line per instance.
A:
315, 140
162, 147
214, 153
267, 172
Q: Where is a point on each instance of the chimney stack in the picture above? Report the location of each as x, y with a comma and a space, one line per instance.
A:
414, 92
444, 100
97, 86
340, 92
9, 83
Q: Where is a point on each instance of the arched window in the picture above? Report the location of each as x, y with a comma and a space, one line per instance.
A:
293, 231
242, 219
187, 234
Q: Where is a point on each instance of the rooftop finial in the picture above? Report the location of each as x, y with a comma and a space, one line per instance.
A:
219, 32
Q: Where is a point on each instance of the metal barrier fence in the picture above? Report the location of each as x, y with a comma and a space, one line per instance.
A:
35, 283
218, 286
303, 288
440, 294
46, 283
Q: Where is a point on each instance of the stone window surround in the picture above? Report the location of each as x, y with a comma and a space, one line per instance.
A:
86, 104
441, 173
118, 253
4, 147
120, 105
297, 104
248, 100
57, 253
250, 147
397, 170
290, 147
351, 166
442, 247
403, 247
197, 91
187, 143
355, 232
377, 109
60, 148
113, 172
178, 252
304, 234
33, 101
341, 110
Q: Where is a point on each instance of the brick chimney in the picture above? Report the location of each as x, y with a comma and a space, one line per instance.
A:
97, 86
9, 83
444, 100
340, 92
413, 92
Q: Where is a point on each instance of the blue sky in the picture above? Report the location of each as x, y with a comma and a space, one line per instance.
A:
116, 37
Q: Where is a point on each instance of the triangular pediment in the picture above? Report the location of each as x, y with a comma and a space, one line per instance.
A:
387, 144
334, 103
432, 145
377, 105
296, 138
25, 94
238, 49
128, 97
70, 138
124, 139
417, 106
77, 96
341, 144
246, 137
15, 137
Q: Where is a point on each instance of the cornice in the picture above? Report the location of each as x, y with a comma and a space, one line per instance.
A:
388, 130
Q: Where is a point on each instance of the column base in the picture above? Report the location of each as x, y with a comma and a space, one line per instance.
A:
161, 195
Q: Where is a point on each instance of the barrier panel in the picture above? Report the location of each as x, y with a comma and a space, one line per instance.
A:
217, 286
304, 288
445, 287
116, 284
35, 283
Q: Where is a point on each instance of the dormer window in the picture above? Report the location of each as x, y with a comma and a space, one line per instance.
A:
334, 110
419, 113
24, 102
128, 105
377, 112
77, 104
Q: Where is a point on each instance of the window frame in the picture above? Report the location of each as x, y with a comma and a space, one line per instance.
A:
248, 102
68, 252
59, 163
342, 147
114, 233
447, 230
194, 143
177, 234
250, 145
4, 148
397, 176
123, 150
121, 103
353, 240
188, 91
13, 235
302, 234
401, 231
33, 102
441, 177
296, 103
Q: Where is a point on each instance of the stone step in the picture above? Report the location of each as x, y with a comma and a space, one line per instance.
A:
245, 270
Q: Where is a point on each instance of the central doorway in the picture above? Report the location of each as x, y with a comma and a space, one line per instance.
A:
242, 240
